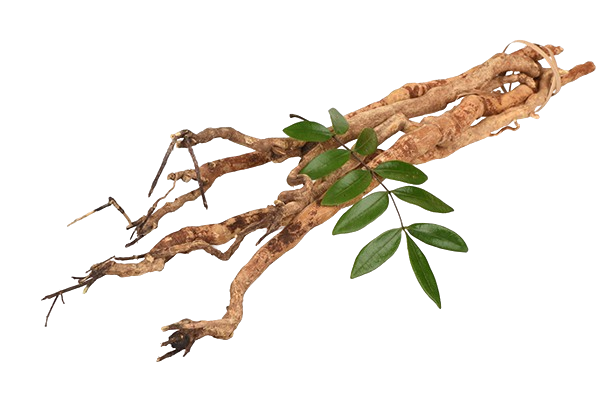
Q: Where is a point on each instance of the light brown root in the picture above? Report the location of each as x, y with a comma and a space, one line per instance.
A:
481, 113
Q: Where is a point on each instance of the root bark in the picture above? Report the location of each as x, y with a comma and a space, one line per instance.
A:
297, 211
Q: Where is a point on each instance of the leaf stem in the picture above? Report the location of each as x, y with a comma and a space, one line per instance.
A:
357, 158
373, 175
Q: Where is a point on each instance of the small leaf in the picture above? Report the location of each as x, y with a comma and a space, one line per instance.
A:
326, 163
367, 142
422, 198
308, 131
376, 252
402, 171
422, 270
438, 236
347, 188
362, 213
340, 124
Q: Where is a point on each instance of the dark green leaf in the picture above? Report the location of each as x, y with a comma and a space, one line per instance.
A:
402, 171
376, 252
347, 188
422, 270
422, 198
367, 142
340, 124
438, 236
326, 163
362, 213
308, 131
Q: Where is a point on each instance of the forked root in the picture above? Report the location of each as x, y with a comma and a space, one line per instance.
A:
297, 211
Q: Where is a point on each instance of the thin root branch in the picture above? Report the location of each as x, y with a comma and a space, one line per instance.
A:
164, 160
487, 108
96, 272
199, 178
111, 202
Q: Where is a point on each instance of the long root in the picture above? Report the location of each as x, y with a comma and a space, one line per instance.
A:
482, 112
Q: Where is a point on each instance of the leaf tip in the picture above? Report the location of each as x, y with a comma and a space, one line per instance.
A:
340, 124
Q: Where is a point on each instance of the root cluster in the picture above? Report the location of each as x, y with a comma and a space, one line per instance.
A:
494, 96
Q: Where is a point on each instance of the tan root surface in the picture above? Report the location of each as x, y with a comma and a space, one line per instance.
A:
295, 212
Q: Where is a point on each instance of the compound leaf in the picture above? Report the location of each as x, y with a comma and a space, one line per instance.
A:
340, 124
362, 213
376, 252
326, 163
347, 188
401, 171
422, 198
308, 131
438, 236
423, 272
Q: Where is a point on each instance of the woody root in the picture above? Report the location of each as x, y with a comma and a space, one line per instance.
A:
489, 99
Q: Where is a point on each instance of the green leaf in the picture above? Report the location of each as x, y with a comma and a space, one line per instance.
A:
308, 131
340, 124
367, 142
422, 198
347, 188
402, 171
422, 270
438, 236
376, 252
362, 213
326, 163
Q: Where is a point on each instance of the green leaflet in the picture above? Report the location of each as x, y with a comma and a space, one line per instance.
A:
340, 124
422, 270
365, 211
362, 213
438, 236
308, 131
422, 198
326, 163
402, 171
347, 188
367, 142
376, 252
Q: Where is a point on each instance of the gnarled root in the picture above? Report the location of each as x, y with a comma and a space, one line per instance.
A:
189, 331
297, 211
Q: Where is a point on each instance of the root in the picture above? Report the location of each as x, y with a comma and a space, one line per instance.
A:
298, 210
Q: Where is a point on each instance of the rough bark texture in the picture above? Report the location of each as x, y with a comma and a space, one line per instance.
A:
298, 211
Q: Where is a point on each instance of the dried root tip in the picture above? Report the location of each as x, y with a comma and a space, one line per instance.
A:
119, 208
164, 160
104, 206
96, 272
111, 202
179, 340
61, 295
186, 135
201, 185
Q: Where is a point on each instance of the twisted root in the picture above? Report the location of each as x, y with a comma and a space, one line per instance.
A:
297, 211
